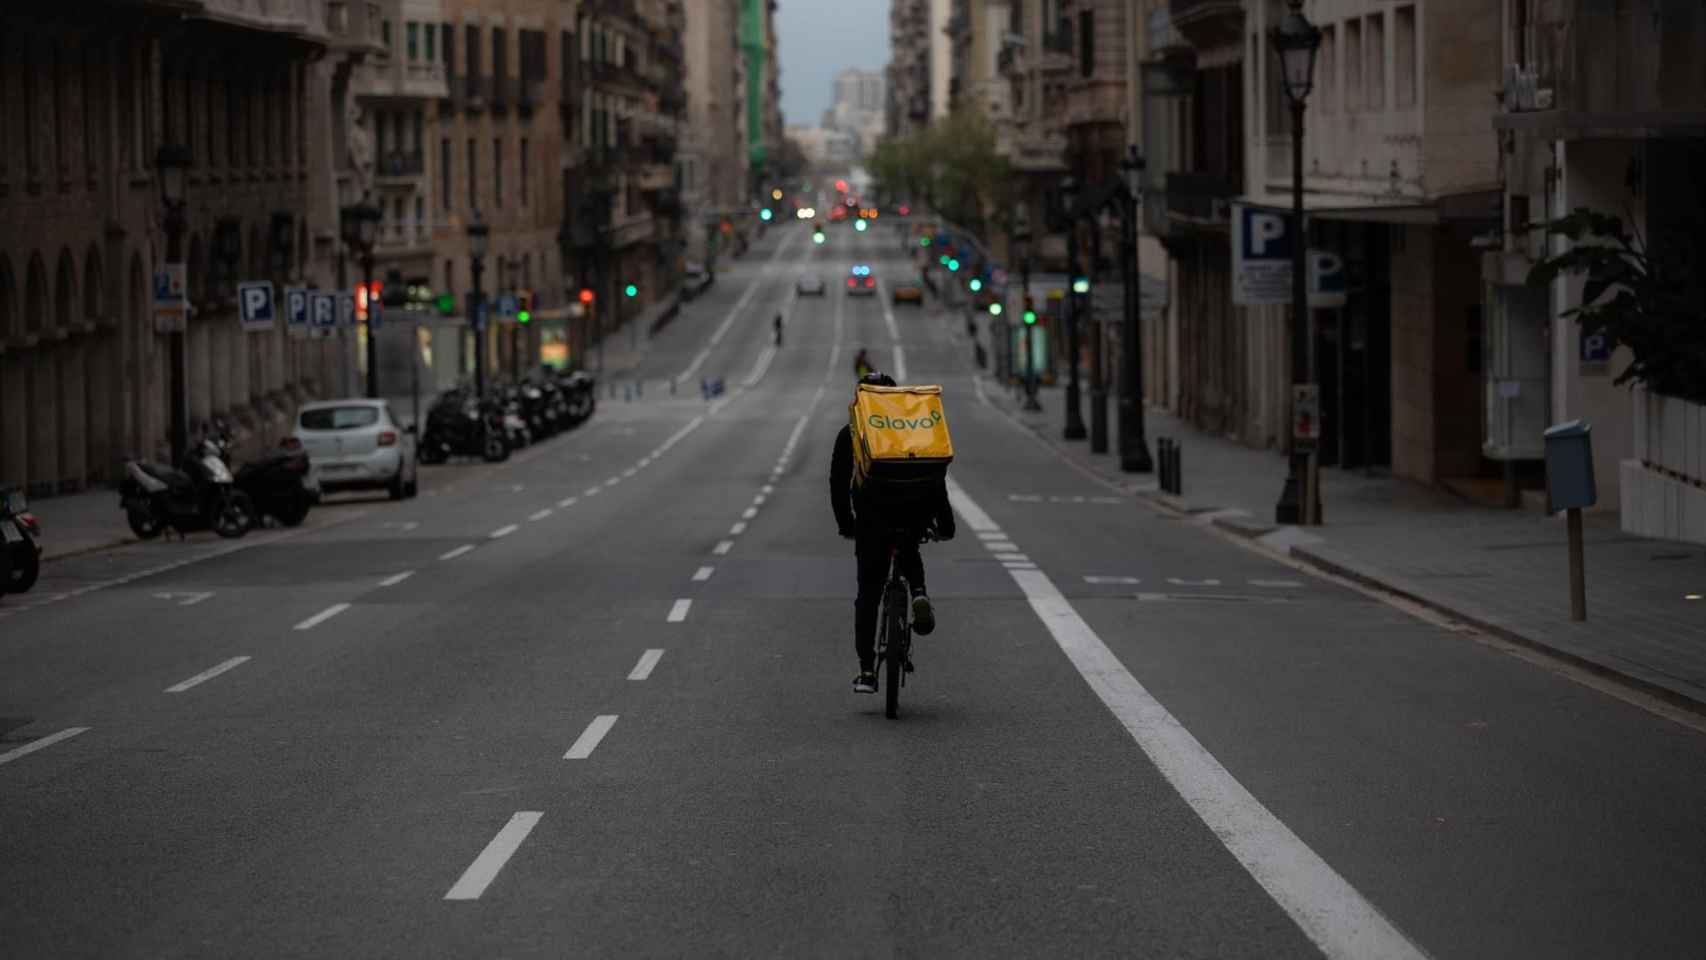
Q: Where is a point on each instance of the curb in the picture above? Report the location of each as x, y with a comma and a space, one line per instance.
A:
1660, 691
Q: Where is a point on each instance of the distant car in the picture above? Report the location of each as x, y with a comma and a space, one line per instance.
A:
357, 444
910, 290
809, 285
860, 282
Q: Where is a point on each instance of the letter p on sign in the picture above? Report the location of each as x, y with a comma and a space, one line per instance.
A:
255, 305
1265, 228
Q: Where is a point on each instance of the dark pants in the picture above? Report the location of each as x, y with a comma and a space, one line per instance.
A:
871, 547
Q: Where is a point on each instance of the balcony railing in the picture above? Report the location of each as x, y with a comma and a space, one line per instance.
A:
1602, 60
401, 163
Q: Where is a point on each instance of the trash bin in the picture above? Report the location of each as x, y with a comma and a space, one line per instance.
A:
1569, 466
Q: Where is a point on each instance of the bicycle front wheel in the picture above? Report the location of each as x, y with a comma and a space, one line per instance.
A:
894, 626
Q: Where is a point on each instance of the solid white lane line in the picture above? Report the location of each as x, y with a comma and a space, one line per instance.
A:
676, 437
678, 612
749, 513
899, 364
974, 516
737, 529
761, 366
459, 551
322, 616
722, 547
1329, 911
41, 744
587, 742
648, 661
503, 531
485, 867
538, 515
396, 578
207, 675
703, 574
566, 503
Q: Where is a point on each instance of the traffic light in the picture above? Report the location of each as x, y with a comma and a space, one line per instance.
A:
817, 236
953, 265
1081, 285
995, 309
524, 307
631, 290
943, 259
586, 295
776, 194
924, 241
1030, 311
765, 215
859, 226
975, 284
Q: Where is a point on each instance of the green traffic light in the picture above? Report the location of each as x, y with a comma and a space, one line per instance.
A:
953, 265
817, 238
1081, 285
631, 290
765, 214
976, 284
1030, 316
995, 309
522, 316
859, 226
924, 241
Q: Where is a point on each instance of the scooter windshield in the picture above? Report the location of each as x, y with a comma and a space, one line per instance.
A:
216, 469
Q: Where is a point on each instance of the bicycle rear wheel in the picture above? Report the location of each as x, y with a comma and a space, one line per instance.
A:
895, 630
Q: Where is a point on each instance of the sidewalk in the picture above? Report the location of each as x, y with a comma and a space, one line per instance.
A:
80, 522
1502, 571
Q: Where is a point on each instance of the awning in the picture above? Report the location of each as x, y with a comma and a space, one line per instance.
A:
1483, 204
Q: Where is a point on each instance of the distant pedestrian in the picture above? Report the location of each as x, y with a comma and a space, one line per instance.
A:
778, 329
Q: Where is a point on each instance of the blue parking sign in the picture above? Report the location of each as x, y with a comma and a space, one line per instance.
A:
323, 313
255, 306
296, 311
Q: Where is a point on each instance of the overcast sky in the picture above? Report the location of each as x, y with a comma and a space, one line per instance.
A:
820, 38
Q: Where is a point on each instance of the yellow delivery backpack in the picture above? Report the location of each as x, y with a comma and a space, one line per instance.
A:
901, 447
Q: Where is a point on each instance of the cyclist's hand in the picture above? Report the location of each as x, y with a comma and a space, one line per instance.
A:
847, 533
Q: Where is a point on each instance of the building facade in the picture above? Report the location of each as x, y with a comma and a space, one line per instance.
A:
714, 168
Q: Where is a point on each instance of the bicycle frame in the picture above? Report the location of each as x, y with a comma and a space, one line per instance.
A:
893, 614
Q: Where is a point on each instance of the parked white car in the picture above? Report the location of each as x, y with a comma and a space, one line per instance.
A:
357, 444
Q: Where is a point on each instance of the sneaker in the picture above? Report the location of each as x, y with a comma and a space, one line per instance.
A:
923, 617
865, 682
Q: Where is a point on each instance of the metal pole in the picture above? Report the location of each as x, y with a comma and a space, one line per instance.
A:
177, 345
475, 306
1578, 580
1134, 449
1030, 345
372, 338
1074, 416
1290, 509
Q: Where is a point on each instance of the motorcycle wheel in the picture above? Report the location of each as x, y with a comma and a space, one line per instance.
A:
26, 566
432, 453
235, 515
293, 513
493, 449
143, 522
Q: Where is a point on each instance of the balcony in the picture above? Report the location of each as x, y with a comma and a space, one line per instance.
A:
399, 167
1208, 23
1031, 152
1616, 69
354, 26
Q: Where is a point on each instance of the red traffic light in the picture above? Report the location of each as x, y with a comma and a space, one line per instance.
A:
586, 294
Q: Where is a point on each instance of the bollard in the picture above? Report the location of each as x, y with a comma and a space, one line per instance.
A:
1164, 465
1178, 469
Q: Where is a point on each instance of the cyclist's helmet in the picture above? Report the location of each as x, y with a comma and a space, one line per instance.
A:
877, 378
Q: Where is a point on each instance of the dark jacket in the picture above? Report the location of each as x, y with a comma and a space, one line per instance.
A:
851, 513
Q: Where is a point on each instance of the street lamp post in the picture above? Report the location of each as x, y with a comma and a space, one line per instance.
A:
367, 217
1134, 448
1027, 315
1074, 415
1296, 42
172, 162
479, 239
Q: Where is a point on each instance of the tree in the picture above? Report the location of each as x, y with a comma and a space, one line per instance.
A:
790, 159
1643, 298
951, 165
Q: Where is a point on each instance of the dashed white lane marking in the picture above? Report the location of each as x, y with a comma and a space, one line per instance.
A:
629, 472
767, 489
648, 662
677, 436
749, 513
1006, 545
1018, 565
41, 744
503, 531
678, 612
459, 551
485, 867
207, 675
991, 535
761, 366
396, 578
518, 488
703, 574
644, 462
758, 501
1015, 557
1188, 582
613, 481
184, 598
722, 547
322, 616
737, 529
566, 503
538, 515
588, 741
1280, 584
590, 492
1329, 911
1123, 580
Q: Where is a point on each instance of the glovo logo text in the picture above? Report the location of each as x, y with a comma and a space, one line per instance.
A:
881, 422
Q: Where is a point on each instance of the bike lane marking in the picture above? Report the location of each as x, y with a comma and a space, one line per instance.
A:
590, 738
485, 867
648, 662
41, 744
1329, 911
678, 612
207, 675
322, 616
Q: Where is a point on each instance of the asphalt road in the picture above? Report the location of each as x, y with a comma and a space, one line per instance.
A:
596, 702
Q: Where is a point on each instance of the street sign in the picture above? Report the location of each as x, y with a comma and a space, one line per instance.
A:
1595, 348
1261, 256
296, 312
346, 309
1326, 279
255, 306
507, 305
322, 313
1305, 417
171, 307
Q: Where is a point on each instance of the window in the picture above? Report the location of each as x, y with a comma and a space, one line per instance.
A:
471, 49
444, 173
412, 31
497, 172
1404, 57
500, 68
450, 277
338, 418
420, 213
1326, 75
1086, 43
385, 34
523, 158
431, 31
1375, 61
1353, 65
473, 181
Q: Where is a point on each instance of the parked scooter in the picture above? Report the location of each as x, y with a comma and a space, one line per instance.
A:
581, 393
280, 483
201, 496
20, 551
460, 425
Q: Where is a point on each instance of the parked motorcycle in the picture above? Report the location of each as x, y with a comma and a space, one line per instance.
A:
580, 392
20, 551
460, 425
201, 496
280, 483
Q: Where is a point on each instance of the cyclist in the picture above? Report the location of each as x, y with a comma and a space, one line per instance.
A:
862, 364
778, 325
870, 532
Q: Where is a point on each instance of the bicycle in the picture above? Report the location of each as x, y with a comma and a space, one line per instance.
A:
894, 627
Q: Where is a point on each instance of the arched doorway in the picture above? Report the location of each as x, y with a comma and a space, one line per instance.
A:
145, 381
68, 360
41, 459
99, 372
